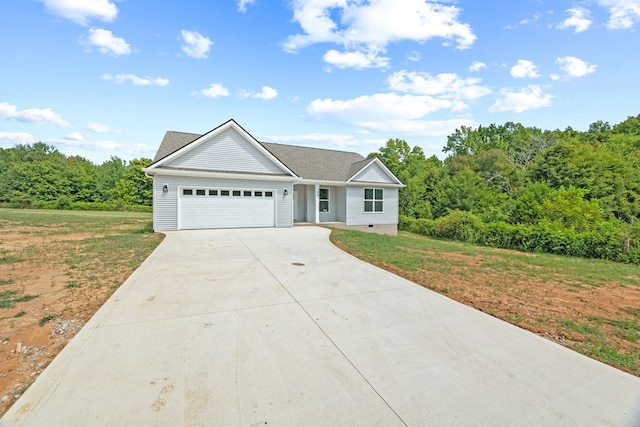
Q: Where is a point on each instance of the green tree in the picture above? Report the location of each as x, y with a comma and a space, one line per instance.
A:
134, 188
107, 174
568, 207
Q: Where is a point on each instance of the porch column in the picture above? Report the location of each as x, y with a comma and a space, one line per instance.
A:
317, 215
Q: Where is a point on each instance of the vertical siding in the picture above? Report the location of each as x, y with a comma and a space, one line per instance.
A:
228, 151
355, 207
374, 173
165, 205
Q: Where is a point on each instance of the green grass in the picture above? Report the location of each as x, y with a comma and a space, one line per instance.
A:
4, 282
46, 319
611, 355
72, 284
67, 222
407, 251
8, 299
582, 328
6, 257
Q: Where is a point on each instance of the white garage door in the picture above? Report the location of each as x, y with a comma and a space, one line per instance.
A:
201, 208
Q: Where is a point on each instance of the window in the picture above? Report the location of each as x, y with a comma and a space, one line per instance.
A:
373, 200
224, 192
187, 192
200, 193
324, 200
247, 193
236, 193
213, 192
268, 194
258, 194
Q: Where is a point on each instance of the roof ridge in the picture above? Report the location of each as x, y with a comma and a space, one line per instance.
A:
310, 148
186, 133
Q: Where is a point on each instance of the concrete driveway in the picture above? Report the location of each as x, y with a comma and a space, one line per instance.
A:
277, 327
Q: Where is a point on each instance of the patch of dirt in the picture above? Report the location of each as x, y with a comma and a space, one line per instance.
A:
33, 332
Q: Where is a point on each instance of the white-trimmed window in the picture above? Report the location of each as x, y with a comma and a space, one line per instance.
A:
373, 200
324, 200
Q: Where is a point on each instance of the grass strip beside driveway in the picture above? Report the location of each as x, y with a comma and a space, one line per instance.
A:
590, 306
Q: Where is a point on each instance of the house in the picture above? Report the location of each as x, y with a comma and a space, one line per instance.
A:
227, 179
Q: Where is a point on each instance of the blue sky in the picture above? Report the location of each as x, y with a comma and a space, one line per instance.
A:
102, 78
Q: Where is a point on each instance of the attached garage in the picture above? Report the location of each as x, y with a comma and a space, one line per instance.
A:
201, 208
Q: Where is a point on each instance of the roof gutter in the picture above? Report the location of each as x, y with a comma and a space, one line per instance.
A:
226, 175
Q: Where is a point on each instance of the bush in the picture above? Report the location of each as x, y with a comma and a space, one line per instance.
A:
612, 240
504, 235
458, 225
421, 226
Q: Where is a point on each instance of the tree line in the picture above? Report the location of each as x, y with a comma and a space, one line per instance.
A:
39, 176
512, 186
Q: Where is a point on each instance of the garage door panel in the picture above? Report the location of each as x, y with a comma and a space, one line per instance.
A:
200, 209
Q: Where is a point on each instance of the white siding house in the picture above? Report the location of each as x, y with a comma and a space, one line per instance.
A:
227, 179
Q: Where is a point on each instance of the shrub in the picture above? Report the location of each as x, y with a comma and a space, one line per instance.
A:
458, 225
612, 240
421, 226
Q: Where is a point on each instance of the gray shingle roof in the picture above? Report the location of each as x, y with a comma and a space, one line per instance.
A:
173, 141
306, 162
316, 163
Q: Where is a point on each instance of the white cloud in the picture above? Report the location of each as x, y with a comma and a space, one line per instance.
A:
215, 90
579, 20
107, 43
100, 128
445, 85
368, 27
137, 81
32, 115
477, 66
99, 151
524, 68
357, 59
623, 13
195, 44
242, 5
74, 136
575, 67
93, 145
266, 93
13, 138
379, 110
82, 11
528, 98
